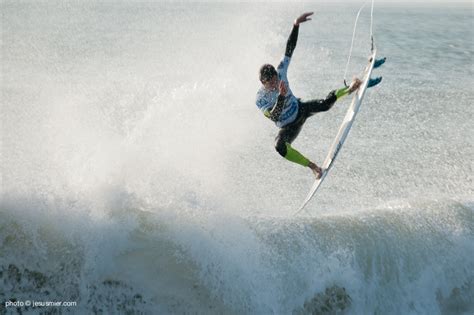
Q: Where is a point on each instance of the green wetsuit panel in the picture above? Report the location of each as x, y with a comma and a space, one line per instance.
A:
341, 92
294, 156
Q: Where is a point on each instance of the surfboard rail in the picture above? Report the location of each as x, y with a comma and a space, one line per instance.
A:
343, 130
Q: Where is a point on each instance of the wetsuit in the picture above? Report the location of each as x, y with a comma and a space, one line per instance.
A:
288, 112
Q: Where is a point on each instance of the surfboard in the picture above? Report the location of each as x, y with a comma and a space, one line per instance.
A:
343, 131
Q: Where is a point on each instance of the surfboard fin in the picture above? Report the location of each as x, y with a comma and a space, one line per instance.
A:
379, 62
374, 82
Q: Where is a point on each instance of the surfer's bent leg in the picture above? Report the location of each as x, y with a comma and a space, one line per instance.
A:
283, 141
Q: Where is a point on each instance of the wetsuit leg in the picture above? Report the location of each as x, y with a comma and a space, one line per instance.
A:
285, 137
288, 134
315, 106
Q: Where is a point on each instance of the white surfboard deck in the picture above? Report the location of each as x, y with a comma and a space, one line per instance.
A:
343, 131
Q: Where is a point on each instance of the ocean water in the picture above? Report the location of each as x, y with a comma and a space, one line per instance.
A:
138, 176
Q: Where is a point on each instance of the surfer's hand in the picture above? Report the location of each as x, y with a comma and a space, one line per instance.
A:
354, 85
303, 18
282, 88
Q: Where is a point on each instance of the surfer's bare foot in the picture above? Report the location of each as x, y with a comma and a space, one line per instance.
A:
355, 85
316, 170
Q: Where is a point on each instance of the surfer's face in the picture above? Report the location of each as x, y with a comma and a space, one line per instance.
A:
271, 84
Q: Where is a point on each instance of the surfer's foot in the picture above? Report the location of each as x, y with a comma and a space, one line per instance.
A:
317, 171
355, 84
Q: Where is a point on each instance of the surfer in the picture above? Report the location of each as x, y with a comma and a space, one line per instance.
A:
289, 113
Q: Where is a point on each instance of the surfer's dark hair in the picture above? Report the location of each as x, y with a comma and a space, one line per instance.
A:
267, 71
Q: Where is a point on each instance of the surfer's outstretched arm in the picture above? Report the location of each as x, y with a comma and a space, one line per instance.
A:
291, 43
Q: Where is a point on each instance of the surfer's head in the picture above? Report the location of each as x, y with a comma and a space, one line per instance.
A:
268, 76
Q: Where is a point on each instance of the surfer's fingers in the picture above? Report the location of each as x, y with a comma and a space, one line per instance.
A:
304, 17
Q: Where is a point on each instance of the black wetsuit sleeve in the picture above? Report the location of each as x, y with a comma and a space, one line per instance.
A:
275, 113
291, 43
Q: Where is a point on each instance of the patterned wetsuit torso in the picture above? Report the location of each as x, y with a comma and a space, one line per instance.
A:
267, 99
